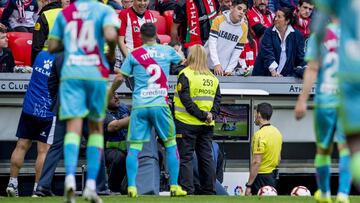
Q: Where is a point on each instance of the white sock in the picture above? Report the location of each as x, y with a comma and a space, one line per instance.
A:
35, 186
91, 184
14, 181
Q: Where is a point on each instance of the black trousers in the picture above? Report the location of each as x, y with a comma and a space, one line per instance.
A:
198, 139
115, 160
262, 180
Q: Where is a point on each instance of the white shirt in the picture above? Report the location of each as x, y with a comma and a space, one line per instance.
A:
279, 67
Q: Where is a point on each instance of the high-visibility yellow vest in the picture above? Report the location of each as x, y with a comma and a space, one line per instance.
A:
202, 92
50, 16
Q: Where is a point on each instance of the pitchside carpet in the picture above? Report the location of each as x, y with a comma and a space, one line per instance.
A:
188, 199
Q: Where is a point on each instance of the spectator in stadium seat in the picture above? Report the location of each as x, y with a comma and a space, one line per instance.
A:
197, 102
44, 24
303, 13
20, 15
36, 123
282, 48
115, 131
266, 152
129, 34
7, 63
260, 18
228, 36
199, 20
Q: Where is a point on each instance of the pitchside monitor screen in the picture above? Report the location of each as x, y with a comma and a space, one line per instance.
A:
232, 123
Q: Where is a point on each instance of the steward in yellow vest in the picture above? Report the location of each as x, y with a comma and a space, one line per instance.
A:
43, 25
200, 90
197, 102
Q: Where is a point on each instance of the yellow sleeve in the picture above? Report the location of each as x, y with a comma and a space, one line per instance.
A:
216, 23
258, 144
243, 38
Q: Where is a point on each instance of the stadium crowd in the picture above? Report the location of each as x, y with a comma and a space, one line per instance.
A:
211, 37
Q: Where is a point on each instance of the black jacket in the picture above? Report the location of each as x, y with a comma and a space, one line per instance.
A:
41, 30
190, 106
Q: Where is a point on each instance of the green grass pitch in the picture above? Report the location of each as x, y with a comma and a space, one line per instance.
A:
188, 199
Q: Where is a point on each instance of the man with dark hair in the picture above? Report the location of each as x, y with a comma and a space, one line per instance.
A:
303, 13
260, 18
266, 151
150, 65
131, 21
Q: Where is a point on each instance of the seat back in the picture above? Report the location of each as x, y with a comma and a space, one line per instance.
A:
160, 24
169, 20
20, 46
164, 39
155, 13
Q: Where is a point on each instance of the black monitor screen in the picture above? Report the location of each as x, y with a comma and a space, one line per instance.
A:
232, 123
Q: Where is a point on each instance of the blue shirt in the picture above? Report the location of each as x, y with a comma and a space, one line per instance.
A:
119, 135
37, 99
150, 82
327, 83
80, 27
348, 12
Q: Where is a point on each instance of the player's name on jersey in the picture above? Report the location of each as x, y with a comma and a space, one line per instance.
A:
152, 54
14, 86
83, 60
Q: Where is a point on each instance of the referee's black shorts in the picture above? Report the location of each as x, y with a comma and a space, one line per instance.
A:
262, 180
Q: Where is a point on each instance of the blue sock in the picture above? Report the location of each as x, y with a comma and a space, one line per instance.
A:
322, 164
71, 152
344, 172
172, 159
94, 151
132, 165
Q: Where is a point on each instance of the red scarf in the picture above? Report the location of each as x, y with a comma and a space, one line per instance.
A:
193, 35
135, 27
303, 24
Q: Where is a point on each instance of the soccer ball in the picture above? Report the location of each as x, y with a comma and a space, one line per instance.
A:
238, 190
300, 191
267, 191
